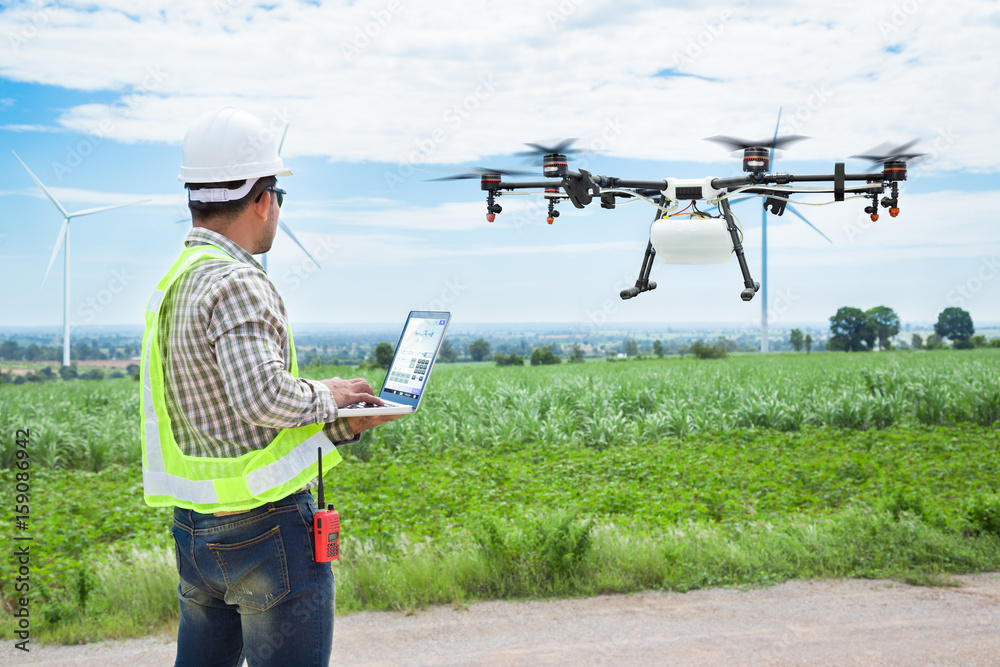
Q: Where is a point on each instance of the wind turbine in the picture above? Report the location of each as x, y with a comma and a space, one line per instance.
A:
763, 245
738, 143
64, 236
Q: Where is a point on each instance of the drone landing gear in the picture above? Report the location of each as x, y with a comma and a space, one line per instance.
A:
643, 284
734, 233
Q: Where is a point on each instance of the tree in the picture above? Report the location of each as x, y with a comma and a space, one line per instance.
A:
509, 360
885, 323
33, 353
852, 331
10, 350
447, 352
934, 342
631, 348
795, 339
577, 356
543, 356
955, 324
658, 348
705, 351
916, 342
808, 342
479, 349
383, 355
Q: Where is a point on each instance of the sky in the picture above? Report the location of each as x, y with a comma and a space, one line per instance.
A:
382, 96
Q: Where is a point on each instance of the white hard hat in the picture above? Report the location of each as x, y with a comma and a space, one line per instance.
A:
230, 145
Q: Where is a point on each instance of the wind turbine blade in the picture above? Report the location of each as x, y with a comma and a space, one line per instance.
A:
289, 232
770, 165
90, 211
283, 134
55, 251
44, 189
801, 217
770, 157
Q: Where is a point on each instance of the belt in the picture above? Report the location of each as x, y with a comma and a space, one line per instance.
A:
230, 513
303, 490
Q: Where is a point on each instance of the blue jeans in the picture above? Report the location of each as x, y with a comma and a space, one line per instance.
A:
249, 587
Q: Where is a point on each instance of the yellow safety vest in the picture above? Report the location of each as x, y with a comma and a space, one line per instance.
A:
209, 484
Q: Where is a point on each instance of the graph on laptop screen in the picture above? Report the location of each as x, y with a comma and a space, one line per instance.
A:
414, 357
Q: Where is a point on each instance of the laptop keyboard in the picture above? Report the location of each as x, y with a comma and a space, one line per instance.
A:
388, 404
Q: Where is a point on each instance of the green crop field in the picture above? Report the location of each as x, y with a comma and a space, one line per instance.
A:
560, 480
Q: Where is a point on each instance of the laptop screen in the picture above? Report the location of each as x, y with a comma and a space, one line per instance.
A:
415, 353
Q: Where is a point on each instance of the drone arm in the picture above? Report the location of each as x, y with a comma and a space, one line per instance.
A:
783, 178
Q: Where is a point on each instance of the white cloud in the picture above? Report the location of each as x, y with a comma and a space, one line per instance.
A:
32, 128
454, 81
67, 196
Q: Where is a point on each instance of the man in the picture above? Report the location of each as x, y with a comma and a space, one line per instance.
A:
230, 433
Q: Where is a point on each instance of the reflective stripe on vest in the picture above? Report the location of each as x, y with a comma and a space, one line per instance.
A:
211, 484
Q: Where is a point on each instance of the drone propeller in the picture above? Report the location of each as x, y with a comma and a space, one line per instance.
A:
887, 153
757, 155
564, 147
742, 144
479, 172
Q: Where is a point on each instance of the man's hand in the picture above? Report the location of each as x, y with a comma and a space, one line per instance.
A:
357, 390
359, 424
349, 392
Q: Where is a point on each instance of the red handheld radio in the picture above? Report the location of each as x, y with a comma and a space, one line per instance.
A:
326, 525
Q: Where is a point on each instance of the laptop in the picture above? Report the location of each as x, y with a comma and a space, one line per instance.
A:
411, 366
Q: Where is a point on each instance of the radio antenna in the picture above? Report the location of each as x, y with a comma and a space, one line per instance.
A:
319, 456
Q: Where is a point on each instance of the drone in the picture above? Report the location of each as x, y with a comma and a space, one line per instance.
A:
689, 235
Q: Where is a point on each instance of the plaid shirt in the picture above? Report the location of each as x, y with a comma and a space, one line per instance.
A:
226, 350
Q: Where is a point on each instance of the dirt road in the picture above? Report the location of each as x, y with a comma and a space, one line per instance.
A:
799, 623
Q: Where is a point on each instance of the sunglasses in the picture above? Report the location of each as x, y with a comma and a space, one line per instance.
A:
281, 194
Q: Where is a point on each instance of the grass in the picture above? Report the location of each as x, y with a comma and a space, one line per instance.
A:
857, 542
561, 481
557, 555
745, 508
89, 425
